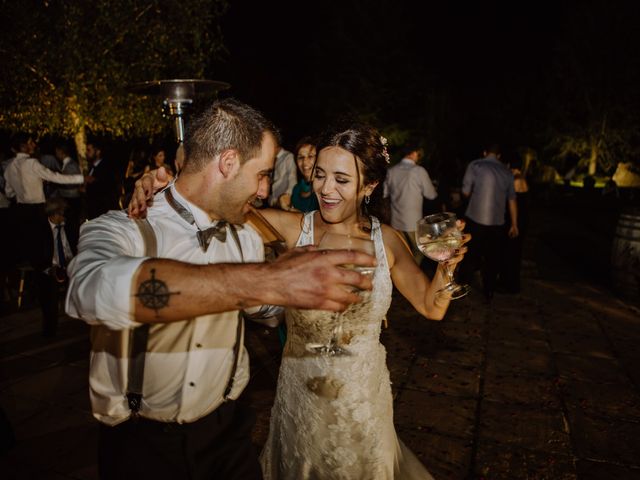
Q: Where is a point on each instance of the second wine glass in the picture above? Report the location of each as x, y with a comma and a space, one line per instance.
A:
438, 238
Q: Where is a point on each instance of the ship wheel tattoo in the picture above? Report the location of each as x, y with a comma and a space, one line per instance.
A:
154, 293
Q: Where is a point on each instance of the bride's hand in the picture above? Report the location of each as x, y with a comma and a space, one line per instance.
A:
145, 187
462, 249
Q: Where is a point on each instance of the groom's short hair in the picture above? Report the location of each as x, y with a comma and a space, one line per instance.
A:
225, 125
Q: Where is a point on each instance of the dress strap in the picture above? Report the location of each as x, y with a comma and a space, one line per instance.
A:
376, 236
306, 233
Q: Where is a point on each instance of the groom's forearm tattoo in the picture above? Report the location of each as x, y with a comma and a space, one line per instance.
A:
154, 293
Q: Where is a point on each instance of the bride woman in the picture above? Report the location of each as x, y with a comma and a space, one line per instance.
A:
333, 415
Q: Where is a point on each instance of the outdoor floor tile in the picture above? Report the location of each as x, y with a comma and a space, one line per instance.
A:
399, 346
521, 338
444, 378
615, 400
20, 409
510, 361
415, 334
633, 371
576, 344
464, 332
577, 322
590, 470
622, 329
524, 390
12, 470
603, 438
628, 354
539, 429
617, 320
497, 462
435, 413
467, 310
52, 434
456, 352
516, 318
81, 363
445, 457
82, 461
36, 342
19, 367
52, 383
17, 325
78, 400
72, 350
627, 347
597, 370
399, 374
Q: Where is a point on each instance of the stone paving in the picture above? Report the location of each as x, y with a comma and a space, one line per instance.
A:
541, 385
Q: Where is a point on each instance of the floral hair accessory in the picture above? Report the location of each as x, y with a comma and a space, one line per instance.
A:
385, 152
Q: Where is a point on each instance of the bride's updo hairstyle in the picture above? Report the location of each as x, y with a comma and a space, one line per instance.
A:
367, 145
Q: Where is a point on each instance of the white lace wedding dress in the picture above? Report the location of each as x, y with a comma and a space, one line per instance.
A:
333, 416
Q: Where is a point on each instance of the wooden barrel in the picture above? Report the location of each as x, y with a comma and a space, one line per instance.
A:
625, 256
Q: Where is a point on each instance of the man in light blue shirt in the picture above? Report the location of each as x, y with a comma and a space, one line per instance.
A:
284, 176
488, 184
406, 184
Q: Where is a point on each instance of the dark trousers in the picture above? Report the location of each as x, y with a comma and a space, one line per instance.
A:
73, 215
511, 263
484, 252
28, 218
50, 290
217, 446
7, 240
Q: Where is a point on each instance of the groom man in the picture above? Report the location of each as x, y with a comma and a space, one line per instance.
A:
165, 297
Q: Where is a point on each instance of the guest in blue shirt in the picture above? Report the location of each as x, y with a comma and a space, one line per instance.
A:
488, 184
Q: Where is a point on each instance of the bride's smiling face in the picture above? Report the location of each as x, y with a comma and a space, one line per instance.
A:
336, 182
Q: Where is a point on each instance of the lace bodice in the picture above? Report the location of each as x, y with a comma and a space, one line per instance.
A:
360, 322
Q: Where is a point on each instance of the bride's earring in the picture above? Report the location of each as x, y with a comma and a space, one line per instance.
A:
367, 199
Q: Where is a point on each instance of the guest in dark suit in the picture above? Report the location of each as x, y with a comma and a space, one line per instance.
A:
103, 184
58, 242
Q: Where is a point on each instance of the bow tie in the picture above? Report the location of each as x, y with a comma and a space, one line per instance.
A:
219, 230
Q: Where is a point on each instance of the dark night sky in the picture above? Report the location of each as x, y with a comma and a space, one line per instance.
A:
480, 53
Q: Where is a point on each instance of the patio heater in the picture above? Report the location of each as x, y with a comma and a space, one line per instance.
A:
178, 95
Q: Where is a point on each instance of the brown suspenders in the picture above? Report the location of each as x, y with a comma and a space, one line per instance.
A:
139, 336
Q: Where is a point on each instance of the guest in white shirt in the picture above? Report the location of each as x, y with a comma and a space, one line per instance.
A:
183, 276
406, 185
25, 177
7, 261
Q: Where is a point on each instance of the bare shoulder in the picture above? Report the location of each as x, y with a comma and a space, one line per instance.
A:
394, 243
391, 236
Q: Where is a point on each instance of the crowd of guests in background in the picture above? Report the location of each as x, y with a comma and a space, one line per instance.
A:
496, 206
44, 198
46, 188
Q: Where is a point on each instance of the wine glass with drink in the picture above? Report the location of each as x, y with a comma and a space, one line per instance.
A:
336, 241
438, 238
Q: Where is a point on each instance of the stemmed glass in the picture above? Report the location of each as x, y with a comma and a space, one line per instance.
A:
336, 241
438, 238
